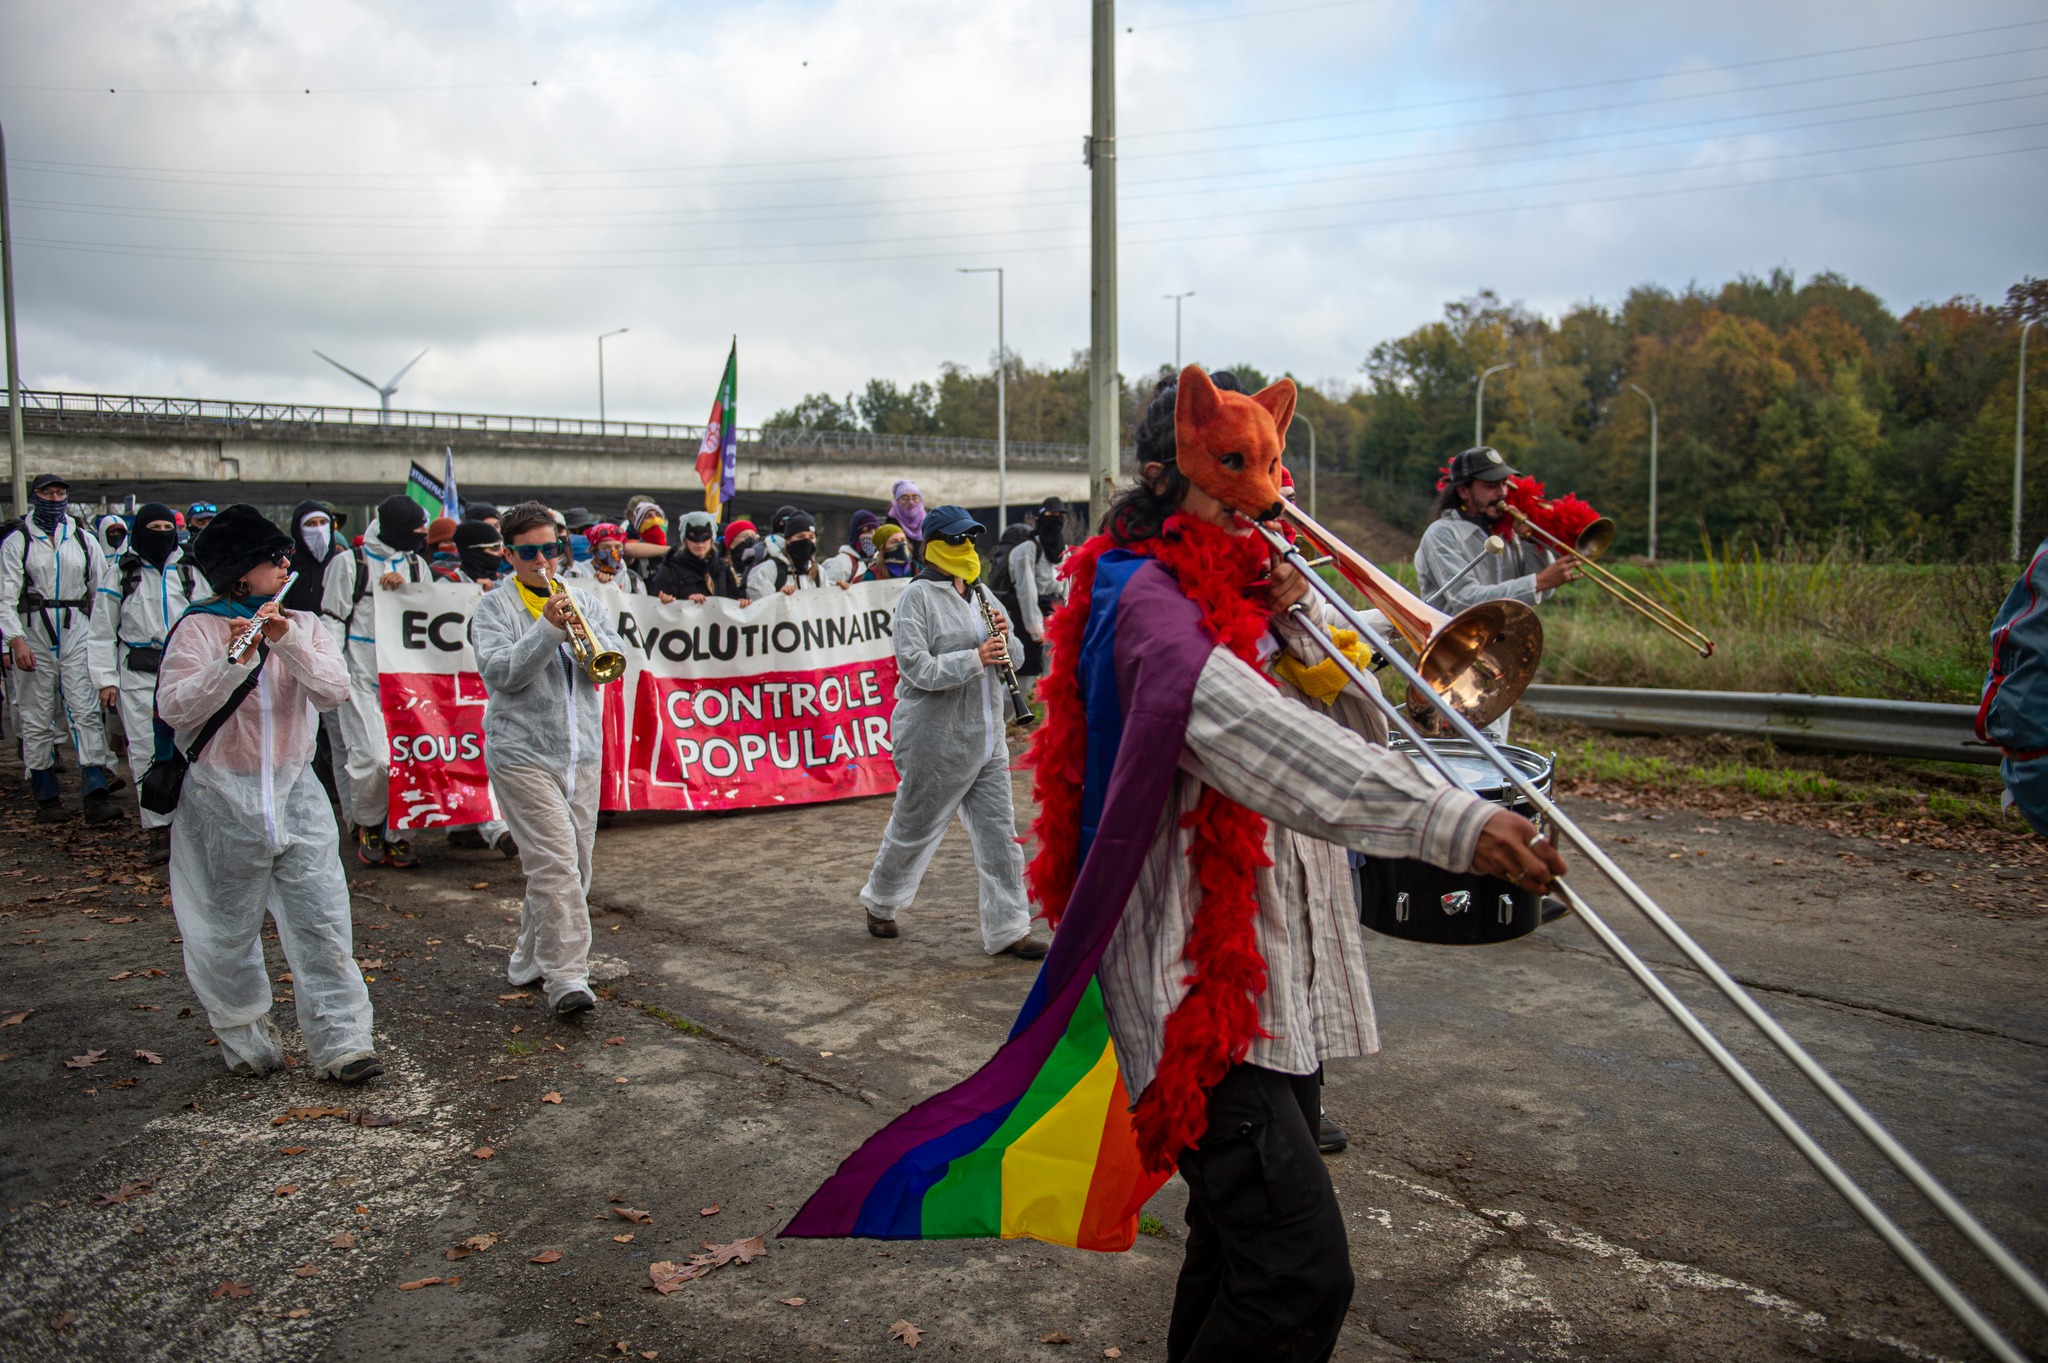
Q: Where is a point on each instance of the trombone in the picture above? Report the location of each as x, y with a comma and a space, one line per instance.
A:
606, 665
1592, 543
1994, 1250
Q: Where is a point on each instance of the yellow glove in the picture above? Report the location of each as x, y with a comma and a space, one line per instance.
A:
1324, 680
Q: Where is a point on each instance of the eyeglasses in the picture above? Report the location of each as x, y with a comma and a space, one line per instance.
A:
529, 552
280, 559
956, 540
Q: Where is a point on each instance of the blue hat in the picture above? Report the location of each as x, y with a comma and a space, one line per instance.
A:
944, 522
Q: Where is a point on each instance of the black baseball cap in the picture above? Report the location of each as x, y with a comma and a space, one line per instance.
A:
1483, 463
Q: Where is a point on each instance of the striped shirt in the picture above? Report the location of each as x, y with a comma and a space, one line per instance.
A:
1323, 778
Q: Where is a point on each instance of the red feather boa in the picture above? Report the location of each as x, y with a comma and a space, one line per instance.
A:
1566, 516
1217, 1021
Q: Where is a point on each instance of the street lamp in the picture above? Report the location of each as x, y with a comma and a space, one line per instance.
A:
1176, 297
1311, 459
1653, 468
1479, 403
2019, 442
600, 375
1002, 408
20, 472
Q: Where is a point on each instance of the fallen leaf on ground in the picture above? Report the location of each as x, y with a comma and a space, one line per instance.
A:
306, 1271
145, 1008
504, 1078
122, 920
507, 998
375, 964
634, 1214
79, 1062
480, 885
122, 1194
16, 1019
417, 1283
546, 1256
295, 1150
286, 1189
121, 1084
615, 1041
737, 1252
792, 1301
906, 1332
1112, 1352
308, 1114
711, 1210
149, 1057
650, 1353
345, 1240
153, 972
297, 1313
480, 1242
665, 1277
1055, 1338
483, 1152
124, 975
369, 1118
457, 1253
625, 1239
620, 1080
551, 1097
231, 1290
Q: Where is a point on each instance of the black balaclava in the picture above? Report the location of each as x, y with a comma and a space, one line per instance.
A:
477, 561
1052, 535
154, 546
402, 523
800, 552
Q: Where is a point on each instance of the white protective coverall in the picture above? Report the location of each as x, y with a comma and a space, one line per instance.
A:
952, 759
543, 742
1037, 577
1448, 544
354, 627
254, 834
141, 620
62, 693
761, 577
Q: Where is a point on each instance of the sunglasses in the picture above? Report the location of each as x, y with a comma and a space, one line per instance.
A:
956, 540
529, 552
281, 559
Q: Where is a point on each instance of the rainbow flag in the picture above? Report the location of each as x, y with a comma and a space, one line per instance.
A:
718, 456
1038, 1143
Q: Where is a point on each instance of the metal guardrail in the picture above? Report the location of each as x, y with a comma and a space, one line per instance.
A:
1892, 728
212, 412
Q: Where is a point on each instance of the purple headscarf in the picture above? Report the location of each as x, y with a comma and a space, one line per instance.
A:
911, 518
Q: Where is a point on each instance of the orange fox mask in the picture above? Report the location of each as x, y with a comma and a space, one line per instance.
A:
1229, 444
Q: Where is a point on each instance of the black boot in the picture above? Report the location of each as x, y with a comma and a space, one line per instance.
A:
51, 811
100, 807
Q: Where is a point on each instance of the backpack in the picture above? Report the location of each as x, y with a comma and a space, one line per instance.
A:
2014, 713
997, 576
131, 576
32, 601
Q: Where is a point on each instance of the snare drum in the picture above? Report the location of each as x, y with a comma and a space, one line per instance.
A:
1425, 903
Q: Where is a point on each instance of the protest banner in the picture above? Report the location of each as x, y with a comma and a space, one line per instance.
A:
786, 701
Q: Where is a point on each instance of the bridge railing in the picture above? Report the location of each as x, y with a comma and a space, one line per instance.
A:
214, 412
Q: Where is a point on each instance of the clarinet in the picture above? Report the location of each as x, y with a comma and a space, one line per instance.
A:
1021, 712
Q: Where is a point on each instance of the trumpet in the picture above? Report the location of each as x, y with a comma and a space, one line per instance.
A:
250, 631
1591, 544
601, 666
1478, 660
1020, 708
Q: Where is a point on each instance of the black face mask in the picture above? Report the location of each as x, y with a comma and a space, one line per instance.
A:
746, 551
896, 553
800, 554
482, 563
1052, 536
405, 541
155, 545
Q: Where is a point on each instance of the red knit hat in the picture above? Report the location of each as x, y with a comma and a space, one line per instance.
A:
736, 529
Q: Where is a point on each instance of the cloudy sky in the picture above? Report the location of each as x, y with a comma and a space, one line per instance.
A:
206, 191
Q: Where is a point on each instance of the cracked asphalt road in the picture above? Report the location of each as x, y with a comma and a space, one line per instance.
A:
1542, 1166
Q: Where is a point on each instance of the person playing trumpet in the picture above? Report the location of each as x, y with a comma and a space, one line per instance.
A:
543, 739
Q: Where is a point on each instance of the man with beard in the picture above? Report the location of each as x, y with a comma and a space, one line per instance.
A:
388, 558
1035, 577
790, 566
149, 589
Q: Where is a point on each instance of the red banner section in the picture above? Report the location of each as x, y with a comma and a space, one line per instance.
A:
787, 701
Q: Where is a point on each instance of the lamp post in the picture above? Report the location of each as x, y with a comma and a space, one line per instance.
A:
600, 375
1653, 467
1002, 409
20, 473
1176, 297
1311, 459
1479, 403
1105, 392
2019, 435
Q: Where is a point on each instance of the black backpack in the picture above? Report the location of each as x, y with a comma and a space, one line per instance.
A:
996, 577
131, 576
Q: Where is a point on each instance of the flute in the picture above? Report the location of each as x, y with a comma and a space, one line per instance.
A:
255, 627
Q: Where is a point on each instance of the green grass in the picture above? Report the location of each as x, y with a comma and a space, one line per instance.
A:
1149, 1224
522, 1048
675, 1020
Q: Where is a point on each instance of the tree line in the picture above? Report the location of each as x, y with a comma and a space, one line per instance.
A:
1784, 409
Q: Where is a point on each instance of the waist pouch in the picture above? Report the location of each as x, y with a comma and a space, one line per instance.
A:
145, 658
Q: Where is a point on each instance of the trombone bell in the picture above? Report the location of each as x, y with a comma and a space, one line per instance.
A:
1594, 540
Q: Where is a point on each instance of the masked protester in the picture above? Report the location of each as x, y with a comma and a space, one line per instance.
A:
646, 533
147, 590
542, 744
51, 572
894, 556
113, 533
951, 753
479, 560
1035, 578
744, 548
791, 566
694, 570
481, 511
253, 838
906, 509
198, 516
850, 563
390, 556
480, 551
606, 566
315, 529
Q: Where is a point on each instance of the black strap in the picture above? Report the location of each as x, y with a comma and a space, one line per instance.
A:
233, 703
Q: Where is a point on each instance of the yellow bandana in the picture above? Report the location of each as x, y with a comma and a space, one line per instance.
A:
955, 560
534, 601
1325, 679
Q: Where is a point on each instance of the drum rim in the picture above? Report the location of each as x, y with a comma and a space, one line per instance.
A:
1535, 766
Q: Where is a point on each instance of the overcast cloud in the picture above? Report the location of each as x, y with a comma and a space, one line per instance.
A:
500, 183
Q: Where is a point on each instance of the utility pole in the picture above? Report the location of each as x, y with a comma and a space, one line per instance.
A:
1311, 460
2019, 430
1176, 297
1002, 409
1653, 468
1105, 406
14, 451
600, 375
1479, 404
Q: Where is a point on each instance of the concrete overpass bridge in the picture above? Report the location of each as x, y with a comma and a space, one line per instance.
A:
180, 450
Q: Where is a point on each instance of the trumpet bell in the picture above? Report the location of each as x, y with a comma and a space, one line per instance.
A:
1595, 539
1481, 659
608, 666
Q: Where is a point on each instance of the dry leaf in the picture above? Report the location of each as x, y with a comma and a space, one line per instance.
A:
738, 1252
480, 885
1112, 1352
308, 1114
149, 1057
297, 1313
305, 1271
507, 998
16, 1019
615, 1041
231, 1289
417, 1283
551, 1097
124, 975
121, 1084
665, 1277
122, 920
546, 1256
457, 1254
63, 1320
503, 1078
480, 1242
483, 1152
295, 1150
153, 972
792, 1301
650, 1353
625, 1239
1055, 1338
634, 1214
345, 1240
711, 1210
79, 1062
121, 1194
906, 1332
286, 1189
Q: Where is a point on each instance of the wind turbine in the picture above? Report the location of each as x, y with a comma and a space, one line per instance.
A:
384, 391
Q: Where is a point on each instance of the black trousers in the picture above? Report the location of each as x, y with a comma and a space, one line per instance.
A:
1268, 1271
